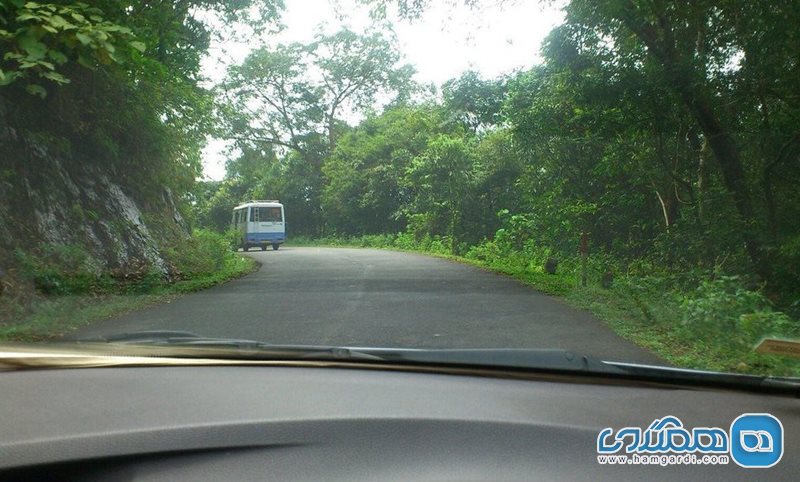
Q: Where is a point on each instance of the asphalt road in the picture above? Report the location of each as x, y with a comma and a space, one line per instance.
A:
365, 297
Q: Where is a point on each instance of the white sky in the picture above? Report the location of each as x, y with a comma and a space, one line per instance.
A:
449, 39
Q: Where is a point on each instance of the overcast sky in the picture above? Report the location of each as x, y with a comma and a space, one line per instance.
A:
450, 39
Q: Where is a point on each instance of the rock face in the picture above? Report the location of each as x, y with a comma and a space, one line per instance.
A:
47, 198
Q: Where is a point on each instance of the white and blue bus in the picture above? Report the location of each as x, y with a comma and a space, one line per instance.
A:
260, 223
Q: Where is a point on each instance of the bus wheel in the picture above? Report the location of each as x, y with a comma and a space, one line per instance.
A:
275, 247
263, 247
246, 247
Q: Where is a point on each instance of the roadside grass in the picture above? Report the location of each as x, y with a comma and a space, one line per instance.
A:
234, 267
657, 317
661, 330
56, 315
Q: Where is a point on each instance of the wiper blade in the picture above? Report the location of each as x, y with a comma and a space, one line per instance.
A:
538, 359
525, 358
559, 361
200, 346
174, 338
541, 359
187, 344
707, 378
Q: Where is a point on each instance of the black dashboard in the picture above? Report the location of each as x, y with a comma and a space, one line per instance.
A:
323, 423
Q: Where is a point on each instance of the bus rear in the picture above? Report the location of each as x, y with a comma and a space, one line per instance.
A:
260, 224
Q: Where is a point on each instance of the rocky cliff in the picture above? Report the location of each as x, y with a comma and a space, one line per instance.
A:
48, 198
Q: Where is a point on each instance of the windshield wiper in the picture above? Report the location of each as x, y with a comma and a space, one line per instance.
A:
184, 344
685, 376
540, 359
236, 348
556, 360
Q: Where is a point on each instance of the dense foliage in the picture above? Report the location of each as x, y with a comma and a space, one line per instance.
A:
103, 115
666, 131
116, 83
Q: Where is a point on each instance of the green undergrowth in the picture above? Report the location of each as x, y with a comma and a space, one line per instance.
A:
63, 289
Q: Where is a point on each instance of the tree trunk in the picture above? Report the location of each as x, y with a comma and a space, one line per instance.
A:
694, 94
665, 210
331, 135
769, 201
729, 161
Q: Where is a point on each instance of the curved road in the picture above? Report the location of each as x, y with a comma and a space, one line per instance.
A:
365, 297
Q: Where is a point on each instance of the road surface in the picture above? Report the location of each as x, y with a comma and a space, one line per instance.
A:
366, 297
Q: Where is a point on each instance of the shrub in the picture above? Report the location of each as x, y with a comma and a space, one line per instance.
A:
405, 241
752, 327
725, 311
487, 251
59, 269
232, 237
201, 254
441, 245
143, 280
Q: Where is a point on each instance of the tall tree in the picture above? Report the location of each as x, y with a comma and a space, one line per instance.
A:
365, 190
697, 46
475, 101
293, 93
442, 177
707, 52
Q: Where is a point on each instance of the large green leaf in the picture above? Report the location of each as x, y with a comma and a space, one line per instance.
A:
83, 38
57, 56
60, 22
55, 77
32, 46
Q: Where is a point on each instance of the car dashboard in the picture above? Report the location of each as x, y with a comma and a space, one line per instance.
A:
303, 421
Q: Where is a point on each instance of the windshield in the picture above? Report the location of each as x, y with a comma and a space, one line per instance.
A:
605, 179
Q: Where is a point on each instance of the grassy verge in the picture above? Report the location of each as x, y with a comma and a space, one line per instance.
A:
56, 315
712, 326
662, 325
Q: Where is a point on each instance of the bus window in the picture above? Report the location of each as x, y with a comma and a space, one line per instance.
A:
265, 214
272, 214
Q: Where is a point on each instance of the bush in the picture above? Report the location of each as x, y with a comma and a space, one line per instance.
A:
143, 280
375, 241
405, 240
723, 310
755, 326
205, 252
233, 238
60, 269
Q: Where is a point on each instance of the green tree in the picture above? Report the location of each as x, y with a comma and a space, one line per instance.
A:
442, 178
476, 102
271, 100
364, 189
693, 45
282, 105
